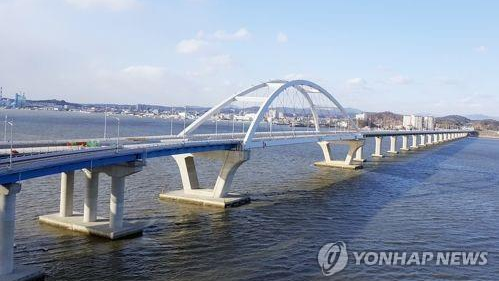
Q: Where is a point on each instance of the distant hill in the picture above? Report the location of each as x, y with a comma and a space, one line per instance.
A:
452, 121
455, 119
481, 117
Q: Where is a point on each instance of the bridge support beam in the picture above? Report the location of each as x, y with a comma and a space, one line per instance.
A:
435, 138
440, 137
348, 163
88, 222
219, 195
8, 271
377, 147
414, 142
393, 145
405, 143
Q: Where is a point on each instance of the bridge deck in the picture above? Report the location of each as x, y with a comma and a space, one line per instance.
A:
140, 148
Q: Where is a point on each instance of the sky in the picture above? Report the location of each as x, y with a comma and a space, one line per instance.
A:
423, 57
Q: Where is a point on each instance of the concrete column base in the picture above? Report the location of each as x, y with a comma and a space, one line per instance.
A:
405, 149
338, 164
377, 155
360, 160
392, 152
205, 197
100, 227
24, 273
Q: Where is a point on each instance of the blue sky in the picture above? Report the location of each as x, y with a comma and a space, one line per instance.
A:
434, 57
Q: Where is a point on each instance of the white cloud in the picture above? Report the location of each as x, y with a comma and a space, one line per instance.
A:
282, 37
221, 61
130, 84
203, 39
356, 81
400, 80
113, 5
144, 71
190, 46
240, 34
481, 49
356, 84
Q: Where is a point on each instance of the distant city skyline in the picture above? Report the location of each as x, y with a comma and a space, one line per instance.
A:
422, 57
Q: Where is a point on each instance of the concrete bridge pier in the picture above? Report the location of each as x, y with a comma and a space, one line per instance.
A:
8, 271
219, 195
67, 190
89, 222
91, 195
440, 138
348, 163
377, 147
393, 145
422, 143
414, 141
405, 143
429, 142
435, 138
358, 155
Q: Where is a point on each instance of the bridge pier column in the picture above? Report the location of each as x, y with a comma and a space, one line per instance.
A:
8, 271
393, 145
219, 195
89, 222
348, 163
435, 138
429, 142
358, 155
422, 143
405, 143
440, 138
377, 147
118, 173
91, 195
188, 172
414, 142
116, 203
67, 190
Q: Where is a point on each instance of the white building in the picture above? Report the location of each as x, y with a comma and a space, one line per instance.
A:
429, 123
361, 116
417, 122
407, 122
412, 122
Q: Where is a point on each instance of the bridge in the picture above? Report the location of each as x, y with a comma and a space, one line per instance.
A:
310, 114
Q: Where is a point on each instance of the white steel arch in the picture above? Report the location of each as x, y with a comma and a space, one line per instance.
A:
297, 84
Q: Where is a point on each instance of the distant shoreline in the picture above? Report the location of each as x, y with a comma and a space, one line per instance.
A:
489, 137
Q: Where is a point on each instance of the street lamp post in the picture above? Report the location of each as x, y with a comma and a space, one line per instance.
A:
185, 115
118, 138
105, 123
5, 129
171, 122
11, 123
